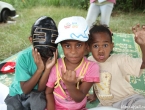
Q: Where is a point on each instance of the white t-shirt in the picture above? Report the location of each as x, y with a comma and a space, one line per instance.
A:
115, 78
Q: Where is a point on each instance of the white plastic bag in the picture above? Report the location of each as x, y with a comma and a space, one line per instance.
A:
4, 90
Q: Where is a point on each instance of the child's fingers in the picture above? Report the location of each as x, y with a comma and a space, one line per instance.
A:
138, 27
73, 77
38, 56
143, 27
80, 78
134, 29
62, 71
34, 52
69, 75
91, 101
55, 54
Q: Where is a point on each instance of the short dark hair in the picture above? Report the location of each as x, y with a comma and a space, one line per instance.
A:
97, 29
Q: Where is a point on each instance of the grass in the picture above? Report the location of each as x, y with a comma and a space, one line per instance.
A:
14, 37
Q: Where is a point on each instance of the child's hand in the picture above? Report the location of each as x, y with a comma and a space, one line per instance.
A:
37, 59
51, 61
69, 77
139, 34
91, 98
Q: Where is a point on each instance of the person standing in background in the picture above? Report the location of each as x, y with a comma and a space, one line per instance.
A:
103, 7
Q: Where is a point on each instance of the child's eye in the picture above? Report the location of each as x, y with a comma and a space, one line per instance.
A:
105, 45
67, 46
79, 45
95, 46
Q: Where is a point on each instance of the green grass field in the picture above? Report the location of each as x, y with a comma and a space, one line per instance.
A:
14, 37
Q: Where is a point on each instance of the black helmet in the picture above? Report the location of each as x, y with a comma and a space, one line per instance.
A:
44, 33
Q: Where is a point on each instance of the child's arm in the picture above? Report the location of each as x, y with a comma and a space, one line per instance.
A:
49, 64
140, 40
27, 86
50, 104
70, 80
92, 97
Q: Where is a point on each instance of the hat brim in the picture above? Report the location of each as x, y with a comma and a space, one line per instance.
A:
60, 39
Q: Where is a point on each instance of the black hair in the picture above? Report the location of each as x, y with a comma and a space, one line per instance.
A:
97, 29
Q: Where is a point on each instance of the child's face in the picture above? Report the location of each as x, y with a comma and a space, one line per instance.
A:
101, 46
74, 50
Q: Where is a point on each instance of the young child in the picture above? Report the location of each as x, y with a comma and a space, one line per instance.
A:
33, 67
72, 76
114, 88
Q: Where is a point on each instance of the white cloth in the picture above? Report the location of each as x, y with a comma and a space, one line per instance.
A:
4, 90
103, 108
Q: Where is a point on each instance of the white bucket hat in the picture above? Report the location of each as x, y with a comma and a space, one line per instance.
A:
72, 28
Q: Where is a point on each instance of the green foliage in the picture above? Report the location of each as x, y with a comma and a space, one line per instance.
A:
82, 4
123, 5
19, 4
130, 5
15, 3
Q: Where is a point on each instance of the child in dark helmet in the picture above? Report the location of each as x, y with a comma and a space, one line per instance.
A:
33, 67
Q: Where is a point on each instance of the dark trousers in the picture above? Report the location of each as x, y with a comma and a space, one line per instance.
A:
33, 101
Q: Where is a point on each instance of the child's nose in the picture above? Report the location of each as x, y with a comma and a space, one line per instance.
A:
73, 50
101, 49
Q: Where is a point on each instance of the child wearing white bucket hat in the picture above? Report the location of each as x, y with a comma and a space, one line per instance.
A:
72, 76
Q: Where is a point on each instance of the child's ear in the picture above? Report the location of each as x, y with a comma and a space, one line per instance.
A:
30, 39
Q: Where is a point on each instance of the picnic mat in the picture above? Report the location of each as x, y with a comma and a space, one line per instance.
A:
123, 43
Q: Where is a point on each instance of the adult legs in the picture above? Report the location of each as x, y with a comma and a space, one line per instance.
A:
92, 14
106, 11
